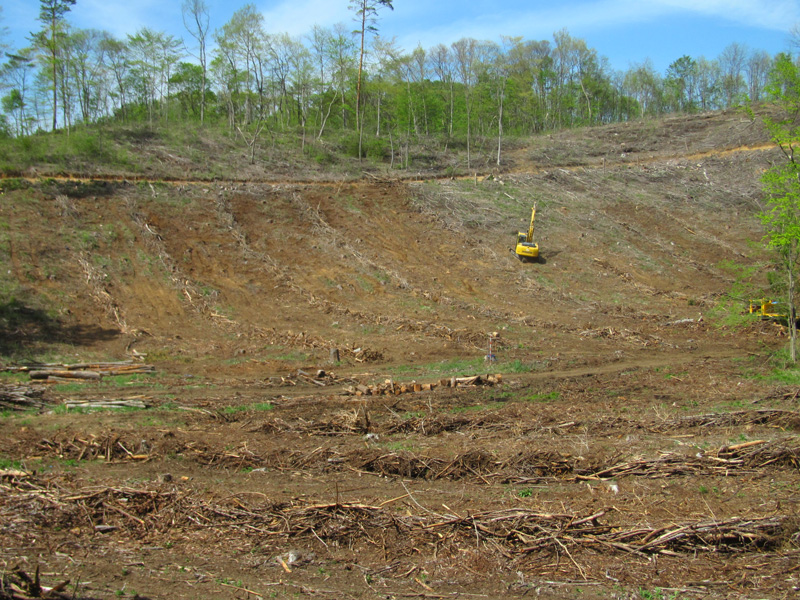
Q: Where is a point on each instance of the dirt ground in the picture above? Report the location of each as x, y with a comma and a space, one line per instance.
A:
637, 444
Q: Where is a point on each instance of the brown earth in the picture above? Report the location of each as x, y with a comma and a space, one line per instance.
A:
637, 446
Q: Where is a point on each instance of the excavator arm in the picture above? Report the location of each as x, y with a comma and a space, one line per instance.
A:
529, 237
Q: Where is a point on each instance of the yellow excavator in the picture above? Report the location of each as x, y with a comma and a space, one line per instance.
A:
766, 309
527, 250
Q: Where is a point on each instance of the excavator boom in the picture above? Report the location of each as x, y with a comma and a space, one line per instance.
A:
530, 229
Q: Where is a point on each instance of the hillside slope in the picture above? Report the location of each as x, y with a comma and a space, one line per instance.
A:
634, 446
409, 272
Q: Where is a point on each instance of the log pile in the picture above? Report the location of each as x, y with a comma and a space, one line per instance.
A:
16, 584
391, 388
81, 371
634, 337
320, 378
109, 448
21, 397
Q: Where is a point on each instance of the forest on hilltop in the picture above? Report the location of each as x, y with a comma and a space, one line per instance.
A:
251, 81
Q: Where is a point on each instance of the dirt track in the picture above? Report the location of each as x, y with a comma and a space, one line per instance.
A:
634, 449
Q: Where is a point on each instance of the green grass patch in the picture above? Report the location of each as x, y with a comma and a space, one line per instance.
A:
399, 446
111, 382
543, 397
477, 407
13, 378
8, 463
80, 146
462, 367
69, 388
782, 370
257, 406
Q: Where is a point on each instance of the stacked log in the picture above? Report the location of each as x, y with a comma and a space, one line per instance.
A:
21, 397
90, 404
391, 388
82, 371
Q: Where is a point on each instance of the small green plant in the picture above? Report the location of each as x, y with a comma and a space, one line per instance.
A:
399, 446
7, 463
417, 414
656, 594
258, 406
525, 493
11, 378
516, 366
476, 407
544, 397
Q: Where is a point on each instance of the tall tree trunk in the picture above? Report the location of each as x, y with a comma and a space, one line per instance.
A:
500, 127
55, 71
360, 70
791, 317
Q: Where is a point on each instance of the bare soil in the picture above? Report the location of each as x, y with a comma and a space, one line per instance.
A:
636, 446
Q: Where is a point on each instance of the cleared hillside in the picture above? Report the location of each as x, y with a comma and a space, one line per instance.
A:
635, 446
413, 271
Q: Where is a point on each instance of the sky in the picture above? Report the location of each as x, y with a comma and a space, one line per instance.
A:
626, 32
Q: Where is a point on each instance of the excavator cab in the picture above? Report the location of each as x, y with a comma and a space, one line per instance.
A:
527, 250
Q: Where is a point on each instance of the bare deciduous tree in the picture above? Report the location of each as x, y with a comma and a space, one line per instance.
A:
196, 21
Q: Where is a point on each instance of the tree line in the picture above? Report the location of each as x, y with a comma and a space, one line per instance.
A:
332, 82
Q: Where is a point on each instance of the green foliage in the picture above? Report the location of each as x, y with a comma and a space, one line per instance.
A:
7, 463
268, 82
731, 311
518, 366
257, 406
13, 183
81, 148
781, 183
544, 397
657, 594
13, 378
783, 370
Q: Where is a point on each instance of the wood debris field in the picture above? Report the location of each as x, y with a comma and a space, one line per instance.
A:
352, 389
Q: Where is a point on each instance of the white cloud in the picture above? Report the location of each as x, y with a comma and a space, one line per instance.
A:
779, 15
298, 17
535, 20
123, 18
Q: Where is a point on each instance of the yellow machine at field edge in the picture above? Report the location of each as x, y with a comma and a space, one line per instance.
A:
766, 309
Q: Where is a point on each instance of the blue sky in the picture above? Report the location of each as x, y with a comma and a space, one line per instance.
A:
627, 32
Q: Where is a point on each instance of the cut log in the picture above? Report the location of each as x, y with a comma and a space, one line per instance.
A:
65, 374
106, 404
